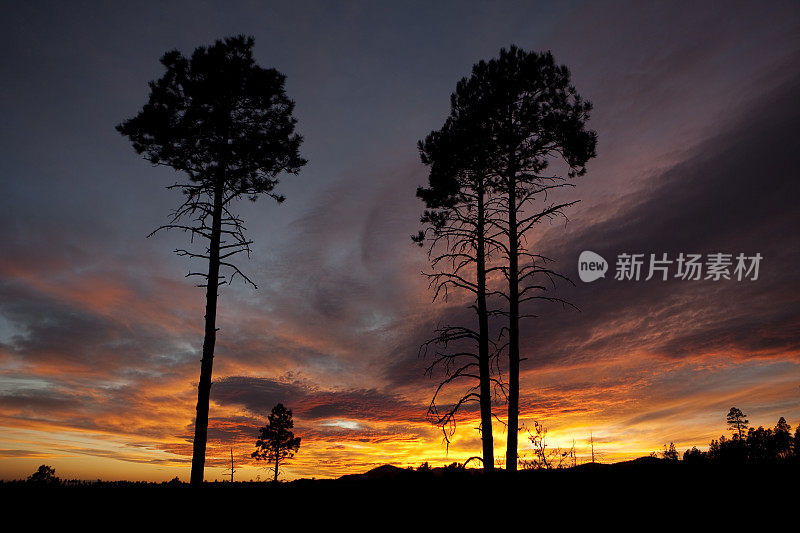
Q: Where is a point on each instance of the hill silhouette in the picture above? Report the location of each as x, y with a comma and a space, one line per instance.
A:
383, 472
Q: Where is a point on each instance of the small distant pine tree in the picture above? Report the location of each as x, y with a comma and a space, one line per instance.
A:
760, 444
737, 422
277, 443
670, 453
782, 435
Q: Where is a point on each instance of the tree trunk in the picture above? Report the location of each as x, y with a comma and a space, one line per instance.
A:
483, 339
277, 454
204, 387
513, 326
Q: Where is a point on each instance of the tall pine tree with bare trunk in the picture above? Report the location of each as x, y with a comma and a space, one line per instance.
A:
226, 124
524, 113
459, 241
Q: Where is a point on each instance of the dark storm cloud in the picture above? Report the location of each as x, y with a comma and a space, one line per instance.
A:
259, 395
53, 331
32, 401
736, 193
230, 429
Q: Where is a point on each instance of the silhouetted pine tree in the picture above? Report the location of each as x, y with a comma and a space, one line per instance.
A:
523, 112
737, 422
277, 443
782, 434
227, 124
456, 230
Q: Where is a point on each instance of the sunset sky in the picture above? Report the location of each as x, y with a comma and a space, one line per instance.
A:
697, 116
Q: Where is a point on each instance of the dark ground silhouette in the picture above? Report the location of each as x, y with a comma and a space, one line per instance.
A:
652, 484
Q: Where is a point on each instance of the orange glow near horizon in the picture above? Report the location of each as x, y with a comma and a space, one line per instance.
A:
614, 415
105, 416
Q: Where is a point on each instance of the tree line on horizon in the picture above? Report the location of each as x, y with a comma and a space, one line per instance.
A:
747, 444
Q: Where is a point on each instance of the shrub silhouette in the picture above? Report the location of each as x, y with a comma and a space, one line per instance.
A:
45, 475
